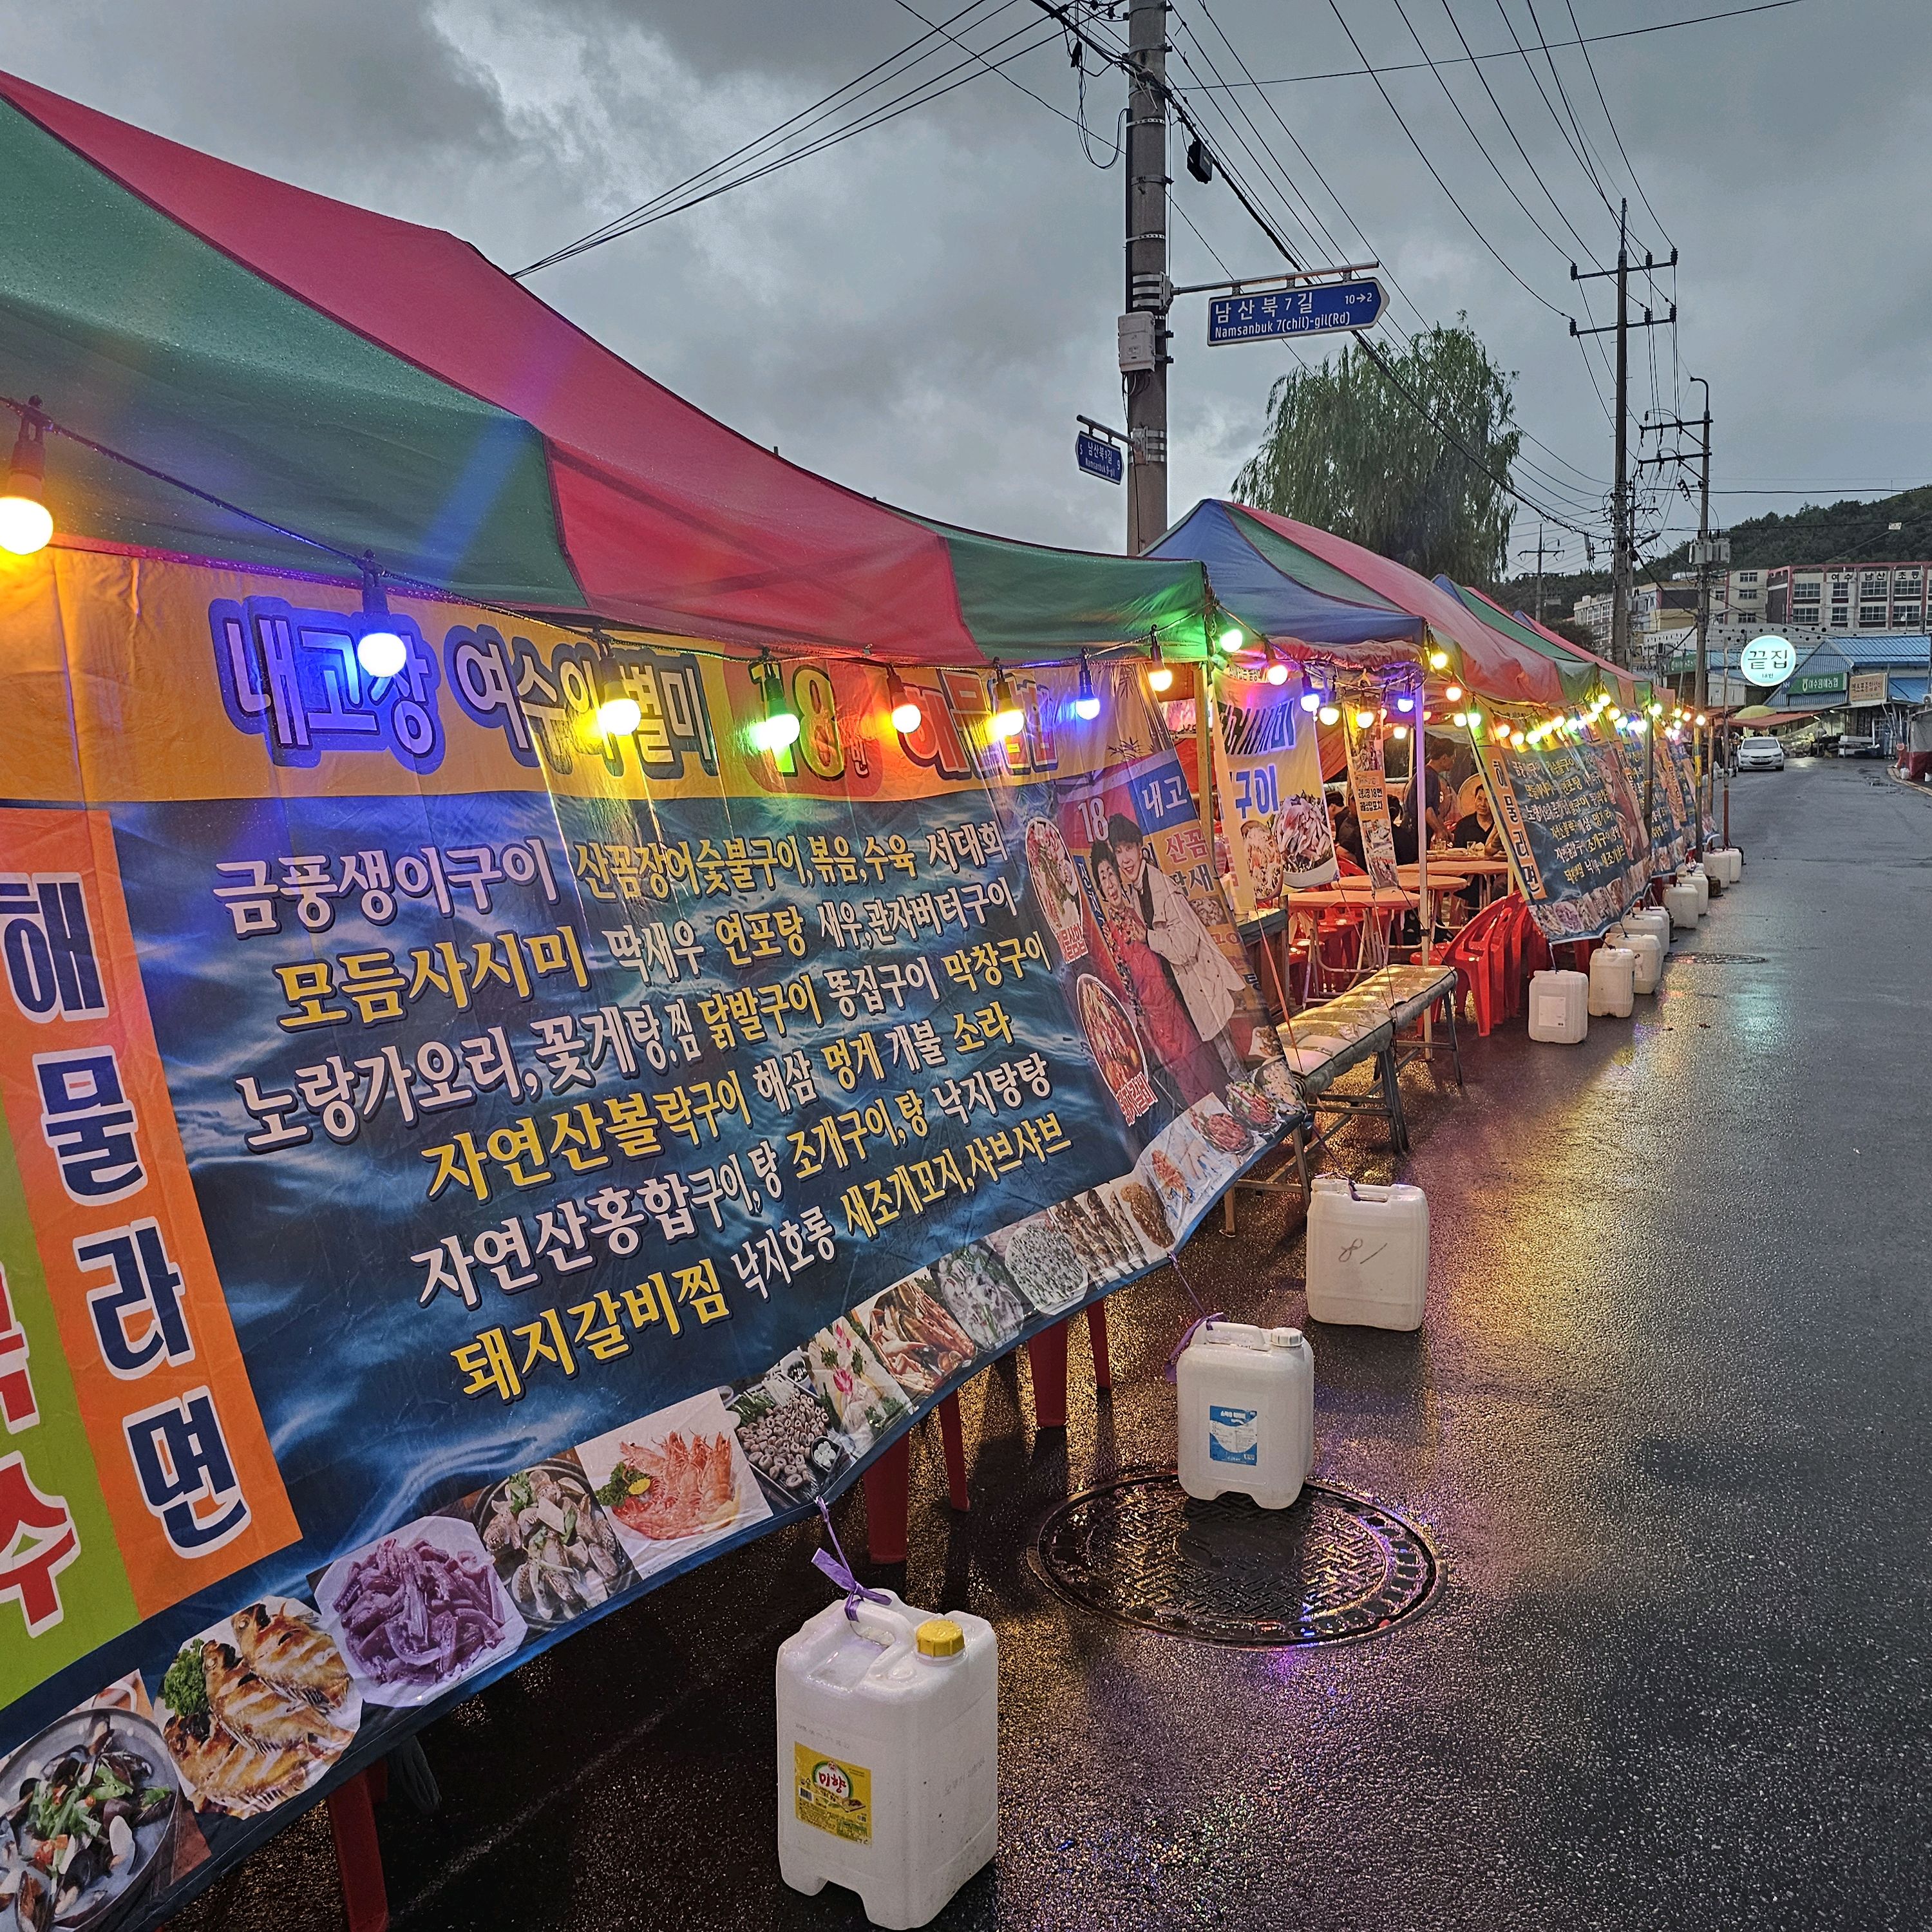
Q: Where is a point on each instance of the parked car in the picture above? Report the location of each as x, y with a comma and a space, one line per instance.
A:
1855, 745
1761, 753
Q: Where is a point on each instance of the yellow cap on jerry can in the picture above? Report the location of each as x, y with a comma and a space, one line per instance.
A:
939, 1636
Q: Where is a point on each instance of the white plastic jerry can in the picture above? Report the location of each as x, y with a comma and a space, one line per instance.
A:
1246, 1401
1680, 903
1646, 956
888, 1750
1727, 860
1559, 1007
1699, 881
1612, 981
1368, 1252
1651, 918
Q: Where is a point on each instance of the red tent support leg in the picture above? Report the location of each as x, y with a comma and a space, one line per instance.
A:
1097, 1337
888, 1486
1047, 1351
954, 1437
359, 1856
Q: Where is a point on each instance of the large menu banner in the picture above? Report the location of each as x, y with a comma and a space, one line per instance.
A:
1368, 787
1267, 774
464, 1165
1573, 820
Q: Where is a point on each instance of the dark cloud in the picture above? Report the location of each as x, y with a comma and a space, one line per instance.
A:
921, 312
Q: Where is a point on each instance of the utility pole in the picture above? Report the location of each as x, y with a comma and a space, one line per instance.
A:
1147, 288
1622, 560
1525, 551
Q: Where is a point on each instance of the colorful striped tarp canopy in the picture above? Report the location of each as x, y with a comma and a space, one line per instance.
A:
380, 386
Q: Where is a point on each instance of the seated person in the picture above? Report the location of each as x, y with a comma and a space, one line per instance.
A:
1479, 827
1347, 830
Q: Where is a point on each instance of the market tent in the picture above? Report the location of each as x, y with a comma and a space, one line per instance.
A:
1497, 667
380, 386
1318, 606
1583, 672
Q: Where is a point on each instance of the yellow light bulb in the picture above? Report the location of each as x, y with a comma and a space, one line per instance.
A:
1438, 660
1330, 714
619, 718
1363, 719
1454, 692
26, 525
906, 717
1160, 677
1400, 731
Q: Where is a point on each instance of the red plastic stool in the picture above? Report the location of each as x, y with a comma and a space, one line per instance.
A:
954, 1437
888, 1486
359, 1856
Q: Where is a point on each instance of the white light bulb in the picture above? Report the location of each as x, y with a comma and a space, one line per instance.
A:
26, 525
381, 653
619, 717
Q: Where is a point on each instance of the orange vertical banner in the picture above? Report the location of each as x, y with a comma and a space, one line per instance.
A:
183, 1459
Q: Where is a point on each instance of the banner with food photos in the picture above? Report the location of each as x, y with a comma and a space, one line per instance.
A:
1571, 811
1267, 776
471, 1154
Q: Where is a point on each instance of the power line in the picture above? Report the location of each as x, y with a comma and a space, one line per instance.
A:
1583, 47
1435, 173
933, 88
1504, 54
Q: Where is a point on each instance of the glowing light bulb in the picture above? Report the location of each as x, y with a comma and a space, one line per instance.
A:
1516, 739
1656, 709
1330, 714
1461, 718
1614, 714
1087, 702
619, 717
1160, 676
1702, 719
1311, 700
1405, 705
1008, 720
1438, 660
1454, 692
1475, 718
382, 653
1399, 731
1363, 719
1230, 639
906, 717
1276, 672
26, 524
773, 733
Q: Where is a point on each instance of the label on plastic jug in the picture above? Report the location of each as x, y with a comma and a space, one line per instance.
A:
835, 1797
1232, 1436
1551, 1013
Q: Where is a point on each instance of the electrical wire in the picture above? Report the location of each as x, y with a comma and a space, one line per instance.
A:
1505, 54
1436, 174
1583, 48
934, 88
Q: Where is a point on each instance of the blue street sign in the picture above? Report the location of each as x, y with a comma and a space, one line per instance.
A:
1282, 312
1098, 458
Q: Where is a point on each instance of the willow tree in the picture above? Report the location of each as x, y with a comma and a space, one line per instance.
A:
1345, 450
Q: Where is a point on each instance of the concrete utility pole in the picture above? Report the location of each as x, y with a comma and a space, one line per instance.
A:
1623, 560
1704, 561
1147, 280
1538, 554
1620, 560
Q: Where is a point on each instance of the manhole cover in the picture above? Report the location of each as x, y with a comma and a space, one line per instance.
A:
1724, 959
1333, 1568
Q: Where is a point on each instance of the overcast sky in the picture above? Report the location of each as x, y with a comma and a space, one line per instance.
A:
921, 311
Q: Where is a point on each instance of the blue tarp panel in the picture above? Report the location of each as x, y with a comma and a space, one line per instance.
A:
1268, 601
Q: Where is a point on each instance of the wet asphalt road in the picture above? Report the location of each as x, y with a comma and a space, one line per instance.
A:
1669, 1422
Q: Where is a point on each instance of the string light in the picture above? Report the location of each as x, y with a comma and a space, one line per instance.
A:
1399, 732
1277, 667
1230, 640
1363, 719
1159, 675
1438, 660
1008, 719
619, 717
26, 525
1405, 705
779, 726
1330, 714
1473, 718
380, 650
907, 715
1453, 694
1086, 703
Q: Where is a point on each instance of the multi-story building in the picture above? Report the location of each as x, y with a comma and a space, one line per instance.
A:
1847, 599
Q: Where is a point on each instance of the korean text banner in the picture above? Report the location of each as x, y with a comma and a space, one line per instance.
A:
1268, 769
469, 1155
1574, 822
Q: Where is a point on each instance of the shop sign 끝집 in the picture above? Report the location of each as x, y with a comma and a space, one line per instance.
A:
448, 1149
1767, 661
1868, 687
